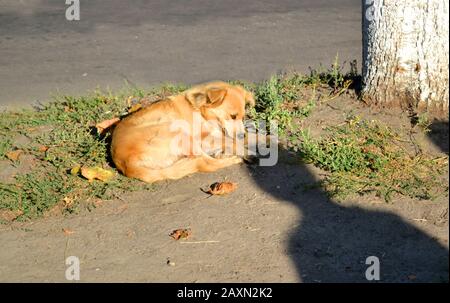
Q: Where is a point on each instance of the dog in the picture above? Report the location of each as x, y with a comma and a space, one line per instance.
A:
159, 142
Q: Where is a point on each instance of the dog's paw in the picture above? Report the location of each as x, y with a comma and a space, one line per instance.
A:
236, 160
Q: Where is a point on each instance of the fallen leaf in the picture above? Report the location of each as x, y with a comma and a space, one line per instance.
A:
67, 231
181, 233
68, 202
75, 170
222, 188
14, 155
105, 125
131, 100
92, 173
43, 148
135, 107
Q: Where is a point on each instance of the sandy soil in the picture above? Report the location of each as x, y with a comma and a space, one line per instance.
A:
268, 230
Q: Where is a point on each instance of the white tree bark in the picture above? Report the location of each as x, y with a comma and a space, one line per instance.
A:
406, 53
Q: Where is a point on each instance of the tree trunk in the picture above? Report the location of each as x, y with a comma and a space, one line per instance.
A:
405, 53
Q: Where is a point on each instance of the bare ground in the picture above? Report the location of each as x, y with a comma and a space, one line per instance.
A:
269, 230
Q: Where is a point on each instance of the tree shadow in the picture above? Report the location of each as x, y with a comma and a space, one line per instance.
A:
332, 241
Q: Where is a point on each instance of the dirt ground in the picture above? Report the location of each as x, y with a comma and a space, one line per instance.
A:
269, 230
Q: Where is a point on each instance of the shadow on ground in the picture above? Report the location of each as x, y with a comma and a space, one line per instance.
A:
439, 135
332, 242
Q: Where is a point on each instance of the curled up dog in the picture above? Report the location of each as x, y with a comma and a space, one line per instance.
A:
198, 130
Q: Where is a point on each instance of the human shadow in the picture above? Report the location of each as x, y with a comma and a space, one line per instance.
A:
333, 241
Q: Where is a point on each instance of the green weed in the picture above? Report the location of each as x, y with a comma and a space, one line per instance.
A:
365, 156
71, 140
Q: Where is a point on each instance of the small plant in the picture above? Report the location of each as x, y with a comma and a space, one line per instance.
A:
5, 146
365, 156
281, 98
278, 99
424, 122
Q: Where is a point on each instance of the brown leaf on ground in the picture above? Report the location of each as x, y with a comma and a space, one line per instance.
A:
135, 107
14, 155
75, 170
182, 233
92, 173
67, 231
67, 109
132, 100
222, 188
43, 148
68, 202
104, 126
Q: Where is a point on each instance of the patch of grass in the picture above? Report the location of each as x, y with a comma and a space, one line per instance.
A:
282, 99
5, 146
72, 140
366, 156
270, 99
278, 99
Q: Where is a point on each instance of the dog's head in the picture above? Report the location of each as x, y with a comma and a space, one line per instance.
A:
224, 103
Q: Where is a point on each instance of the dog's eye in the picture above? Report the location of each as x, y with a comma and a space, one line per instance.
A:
233, 117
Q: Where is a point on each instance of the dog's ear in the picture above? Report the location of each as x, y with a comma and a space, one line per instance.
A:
216, 96
197, 98
212, 97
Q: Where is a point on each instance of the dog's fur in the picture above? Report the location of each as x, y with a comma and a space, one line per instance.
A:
142, 144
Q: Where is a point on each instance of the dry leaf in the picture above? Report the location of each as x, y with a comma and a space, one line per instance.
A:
67, 109
14, 155
131, 100
67, 231
43, 148
222, 188
68, 202
181, 233
105, 125
75, 170
92, 173
135, 107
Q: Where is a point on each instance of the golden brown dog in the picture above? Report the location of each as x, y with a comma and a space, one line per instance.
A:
181, 135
